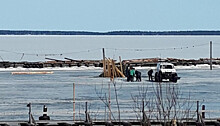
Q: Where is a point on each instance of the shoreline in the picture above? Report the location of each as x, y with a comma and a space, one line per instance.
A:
146, 62
60, 32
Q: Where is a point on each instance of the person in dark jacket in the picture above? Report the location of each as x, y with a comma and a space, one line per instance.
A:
150, 72
138, 75
127, 73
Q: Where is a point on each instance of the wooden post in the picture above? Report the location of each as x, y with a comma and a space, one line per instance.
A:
86, 113
197, 110
74, 102
143, 115
210, 55
109, 68
30, 119
105, 113
114, 69
203, 111
109, 101
121, 64
104, 65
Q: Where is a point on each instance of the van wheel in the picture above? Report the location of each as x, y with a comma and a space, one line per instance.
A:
174, 77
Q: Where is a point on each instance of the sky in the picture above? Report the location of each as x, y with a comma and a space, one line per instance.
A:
110, 15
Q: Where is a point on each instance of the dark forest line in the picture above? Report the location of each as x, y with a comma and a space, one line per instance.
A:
29, 32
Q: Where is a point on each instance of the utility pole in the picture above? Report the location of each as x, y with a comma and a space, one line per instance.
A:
104, 65
210, 55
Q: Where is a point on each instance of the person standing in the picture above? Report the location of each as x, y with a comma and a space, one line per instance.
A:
127, 73
132, 74
150, 72
138, 75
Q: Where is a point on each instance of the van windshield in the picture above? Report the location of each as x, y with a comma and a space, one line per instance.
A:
167, 67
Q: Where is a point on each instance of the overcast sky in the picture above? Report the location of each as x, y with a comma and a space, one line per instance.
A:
110, 15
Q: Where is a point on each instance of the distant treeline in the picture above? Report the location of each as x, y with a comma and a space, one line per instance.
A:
27, 32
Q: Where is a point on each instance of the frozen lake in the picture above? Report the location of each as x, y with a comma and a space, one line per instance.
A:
56, 92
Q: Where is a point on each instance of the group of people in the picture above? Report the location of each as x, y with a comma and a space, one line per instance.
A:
131, 73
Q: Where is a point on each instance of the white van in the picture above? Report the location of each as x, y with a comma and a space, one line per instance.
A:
165, 71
